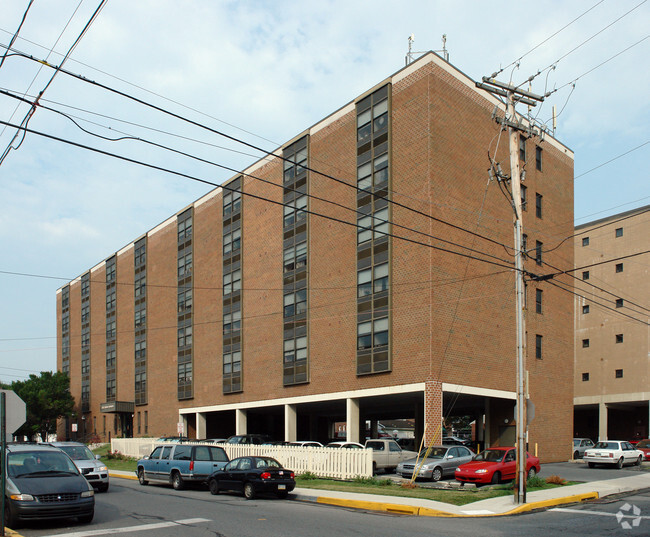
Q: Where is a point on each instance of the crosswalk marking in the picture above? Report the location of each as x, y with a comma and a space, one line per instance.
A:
143, 527
597, 513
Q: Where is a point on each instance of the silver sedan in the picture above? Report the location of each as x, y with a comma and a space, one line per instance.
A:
436, 462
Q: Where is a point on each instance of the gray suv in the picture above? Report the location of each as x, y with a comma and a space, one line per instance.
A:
92, 469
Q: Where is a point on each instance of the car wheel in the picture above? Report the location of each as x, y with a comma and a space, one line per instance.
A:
141, 478
213, 484
374, 468
619, 463
496, 478
87, 519
639, 461
177, 481
249, 491
11, 520
282, 494
436, 475
532, 472
591, 464
576, 455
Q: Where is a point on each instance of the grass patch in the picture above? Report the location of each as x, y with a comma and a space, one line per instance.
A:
115, 461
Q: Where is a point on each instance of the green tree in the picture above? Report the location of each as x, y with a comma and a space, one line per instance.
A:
47, 398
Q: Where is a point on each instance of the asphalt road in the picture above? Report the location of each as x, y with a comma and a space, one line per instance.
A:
158, 511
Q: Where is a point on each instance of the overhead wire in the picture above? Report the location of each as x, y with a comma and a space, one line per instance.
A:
15, 36
252, 146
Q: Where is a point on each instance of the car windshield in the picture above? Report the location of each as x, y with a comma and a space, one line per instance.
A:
606, 445
435, 453
490, 455
39, 463
643, 444
78, 453
267, 462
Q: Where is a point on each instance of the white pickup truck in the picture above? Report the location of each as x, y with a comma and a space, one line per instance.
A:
387, 454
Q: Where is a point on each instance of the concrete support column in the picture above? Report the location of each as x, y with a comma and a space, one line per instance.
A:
374, 429
487, 440
290, 423
352, 414
433, 412
602, 421
200, 426
240, 422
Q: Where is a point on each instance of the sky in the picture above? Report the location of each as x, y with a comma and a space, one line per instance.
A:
263, 72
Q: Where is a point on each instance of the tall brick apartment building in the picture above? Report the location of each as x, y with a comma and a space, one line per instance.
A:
364, 271
611, 318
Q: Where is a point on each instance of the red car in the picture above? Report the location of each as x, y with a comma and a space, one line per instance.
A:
644, 445
494, 465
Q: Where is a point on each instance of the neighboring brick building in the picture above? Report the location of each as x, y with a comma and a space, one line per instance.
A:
612, 365
243, 314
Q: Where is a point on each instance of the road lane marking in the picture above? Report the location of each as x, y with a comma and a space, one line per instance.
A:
596, 513
143, 527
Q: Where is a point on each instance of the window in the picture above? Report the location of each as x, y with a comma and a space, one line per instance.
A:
585, 343
619, 338
232, 241
110, 330
140, 286
232, 282
538, 300
619, 373
619, 232
110, 301
585, 274
372, 333
538, 252
231, 202
184, 229
232, 322
585, 377
538, 205
185, 265
295, 257
140, 257
140, 318
295, 303
538, 346
585, 241
295, 211
110, 360
140, 351
295, 360
185, 336
184, 300
585, 309
524, 197
364, 282
381, 277
538, 158
619, 267
110, 270
522, 148
619, 302
524, 245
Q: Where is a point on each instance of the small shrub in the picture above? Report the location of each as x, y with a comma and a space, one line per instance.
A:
116, 455
536, 482
555, 480
308, 476
372, 481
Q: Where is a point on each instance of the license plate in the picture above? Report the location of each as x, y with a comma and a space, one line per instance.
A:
282, 487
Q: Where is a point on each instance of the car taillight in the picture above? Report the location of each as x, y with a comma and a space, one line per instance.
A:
292, 475
191, 466
265, 475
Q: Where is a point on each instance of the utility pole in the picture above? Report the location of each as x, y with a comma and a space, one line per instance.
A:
514, 95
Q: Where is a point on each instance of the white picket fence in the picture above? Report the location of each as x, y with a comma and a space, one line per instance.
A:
324, 462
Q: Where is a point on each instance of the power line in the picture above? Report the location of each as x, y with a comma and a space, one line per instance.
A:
613, 159
15, 36
247, 144
248, 194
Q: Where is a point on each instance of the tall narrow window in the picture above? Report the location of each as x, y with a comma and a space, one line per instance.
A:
538, 205
538, 252
538, 300
538, 346
184, 352
522, 148
538, 158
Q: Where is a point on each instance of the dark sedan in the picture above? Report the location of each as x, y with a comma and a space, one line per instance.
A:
252, 475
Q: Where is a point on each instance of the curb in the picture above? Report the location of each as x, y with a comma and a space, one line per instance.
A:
123, 475
426, 511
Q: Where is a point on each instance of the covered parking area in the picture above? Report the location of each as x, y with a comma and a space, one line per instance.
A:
316, 417
614, 416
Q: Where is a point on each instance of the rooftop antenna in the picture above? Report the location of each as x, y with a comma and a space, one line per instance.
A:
411, 53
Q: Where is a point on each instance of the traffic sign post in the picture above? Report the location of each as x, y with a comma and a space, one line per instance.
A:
12, 417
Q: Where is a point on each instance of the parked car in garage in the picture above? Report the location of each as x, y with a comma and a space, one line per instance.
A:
178, 464
345, 445
44, 484
580, 445
495, 465
613, 452
252, 475
305, 443
644, 445
88, 463
435, 463
249, 439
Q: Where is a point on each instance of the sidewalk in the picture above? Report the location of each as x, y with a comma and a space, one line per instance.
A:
503, 505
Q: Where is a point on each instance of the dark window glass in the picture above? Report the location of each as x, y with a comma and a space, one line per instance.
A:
585, 274
538, 205
585, 343
538, 346
619, 373
619, 232
619, 338
585, 308
619, 267
585, 377
619, 302
522, 148
538, 252
538, 158
538, 300
585, 241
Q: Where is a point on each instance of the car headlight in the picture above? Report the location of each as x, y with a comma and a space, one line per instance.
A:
87, 493
102, 468
481, 471
22, 497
